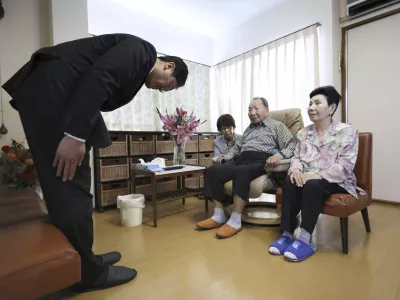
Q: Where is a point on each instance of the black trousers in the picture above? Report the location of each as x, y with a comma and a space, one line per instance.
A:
40, 104
242, 171
308, 199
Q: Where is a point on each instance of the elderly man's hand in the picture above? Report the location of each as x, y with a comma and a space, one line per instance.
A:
221, 159
273, 161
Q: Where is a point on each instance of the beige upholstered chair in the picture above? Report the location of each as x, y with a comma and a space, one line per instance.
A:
261, 207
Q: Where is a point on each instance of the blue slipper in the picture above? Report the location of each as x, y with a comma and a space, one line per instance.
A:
279, 246
299, 251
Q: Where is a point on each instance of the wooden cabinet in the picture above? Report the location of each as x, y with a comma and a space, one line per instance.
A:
113, 165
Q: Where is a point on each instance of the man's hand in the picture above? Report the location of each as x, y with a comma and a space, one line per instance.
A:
69, 154
221, 159
273, 161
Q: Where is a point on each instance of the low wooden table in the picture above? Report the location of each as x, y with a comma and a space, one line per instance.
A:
181, 192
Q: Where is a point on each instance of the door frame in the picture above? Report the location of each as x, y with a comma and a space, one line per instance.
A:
343, 57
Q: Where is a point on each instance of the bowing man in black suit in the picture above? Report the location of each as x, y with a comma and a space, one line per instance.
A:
59, 95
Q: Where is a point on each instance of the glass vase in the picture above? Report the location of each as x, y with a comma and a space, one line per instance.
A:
179, 151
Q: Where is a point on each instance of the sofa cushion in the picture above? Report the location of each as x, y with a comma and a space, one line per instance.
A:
18, 206
37, 261
344, 205
291, 117
256, 187
339, 205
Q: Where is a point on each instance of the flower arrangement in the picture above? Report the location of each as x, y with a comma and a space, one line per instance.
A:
19, 168
180, 125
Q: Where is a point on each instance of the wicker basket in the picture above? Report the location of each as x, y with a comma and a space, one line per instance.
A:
201, 181
192, 144
164, 143
144, 190
192, 159
166, 185
205, 159
110, 191
142, 144
119, 147
206, 143
112, 168
143, 186
192, 181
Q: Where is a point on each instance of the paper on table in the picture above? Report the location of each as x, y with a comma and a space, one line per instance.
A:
155, 165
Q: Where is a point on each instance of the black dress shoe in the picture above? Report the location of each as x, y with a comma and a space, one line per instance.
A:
110, 258
113, 276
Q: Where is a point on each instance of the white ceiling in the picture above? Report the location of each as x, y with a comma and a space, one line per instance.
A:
206, 17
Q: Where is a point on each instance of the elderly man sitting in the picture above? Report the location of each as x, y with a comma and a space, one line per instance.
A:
264, 141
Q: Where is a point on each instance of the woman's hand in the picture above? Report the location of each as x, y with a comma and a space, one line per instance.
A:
309, 176
297, 177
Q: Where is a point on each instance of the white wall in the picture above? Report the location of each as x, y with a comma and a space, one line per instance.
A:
69, 20
370, 86
23, 30
285, 19
107, 17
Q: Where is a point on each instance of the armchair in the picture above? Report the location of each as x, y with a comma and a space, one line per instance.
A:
261, 208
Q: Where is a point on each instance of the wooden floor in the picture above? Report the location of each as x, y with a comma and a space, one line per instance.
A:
176, 262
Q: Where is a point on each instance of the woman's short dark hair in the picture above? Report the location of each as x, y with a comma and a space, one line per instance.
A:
225, 120
331, 94
181, 70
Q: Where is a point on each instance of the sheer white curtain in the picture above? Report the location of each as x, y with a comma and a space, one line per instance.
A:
139, 114
284, 72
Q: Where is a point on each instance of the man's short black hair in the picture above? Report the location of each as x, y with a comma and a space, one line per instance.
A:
331, 94
225, 120
181, 70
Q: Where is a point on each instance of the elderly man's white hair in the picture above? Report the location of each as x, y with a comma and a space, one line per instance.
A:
263, 100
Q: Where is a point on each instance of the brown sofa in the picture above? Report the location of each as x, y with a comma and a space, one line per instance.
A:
35, 257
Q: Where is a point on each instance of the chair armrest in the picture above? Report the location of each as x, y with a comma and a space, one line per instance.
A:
283, 166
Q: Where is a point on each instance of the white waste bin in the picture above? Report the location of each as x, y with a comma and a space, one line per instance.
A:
131, 208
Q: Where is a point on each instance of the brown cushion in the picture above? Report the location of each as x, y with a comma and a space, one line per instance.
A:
339, 205
278, 196
18, 206
36, 259
344, 205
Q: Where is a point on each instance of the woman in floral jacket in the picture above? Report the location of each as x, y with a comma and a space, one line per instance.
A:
322, 165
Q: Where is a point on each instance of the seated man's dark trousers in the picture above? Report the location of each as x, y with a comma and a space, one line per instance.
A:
242, 170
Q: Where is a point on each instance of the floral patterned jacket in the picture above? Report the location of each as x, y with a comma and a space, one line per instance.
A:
333, 159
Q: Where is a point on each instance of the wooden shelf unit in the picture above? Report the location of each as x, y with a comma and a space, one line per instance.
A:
113, 165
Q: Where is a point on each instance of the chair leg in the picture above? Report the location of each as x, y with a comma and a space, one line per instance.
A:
345, 237
365, 216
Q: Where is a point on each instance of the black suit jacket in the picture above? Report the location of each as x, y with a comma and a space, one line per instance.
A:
108, 71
